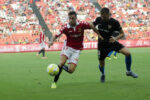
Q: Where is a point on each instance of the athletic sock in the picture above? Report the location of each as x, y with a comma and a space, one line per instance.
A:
109, 54
43, 53
66, 68
57, 76
115, 53
128, 61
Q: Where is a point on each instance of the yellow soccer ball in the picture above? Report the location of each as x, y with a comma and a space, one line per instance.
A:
53, 69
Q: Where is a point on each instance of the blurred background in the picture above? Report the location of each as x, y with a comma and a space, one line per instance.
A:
19, 25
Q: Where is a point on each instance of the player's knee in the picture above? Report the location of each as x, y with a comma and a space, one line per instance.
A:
71, 71
102, 62
128, 54
61, 64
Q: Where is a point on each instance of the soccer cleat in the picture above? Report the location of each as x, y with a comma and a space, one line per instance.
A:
132, 74
53, 86
108, 58
37, 54
44, 57
115, 57
102, 78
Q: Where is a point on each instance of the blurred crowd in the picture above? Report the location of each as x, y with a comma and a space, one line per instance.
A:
19, 25
134, 16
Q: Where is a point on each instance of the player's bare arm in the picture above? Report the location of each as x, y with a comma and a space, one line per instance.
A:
96, 31
52, 41
113, 39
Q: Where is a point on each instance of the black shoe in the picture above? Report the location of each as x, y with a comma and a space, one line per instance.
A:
102, 78
132, 74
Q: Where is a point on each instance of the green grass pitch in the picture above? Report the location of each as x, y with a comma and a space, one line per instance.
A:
23, 76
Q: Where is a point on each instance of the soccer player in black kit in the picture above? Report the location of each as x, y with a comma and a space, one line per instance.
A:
106, 27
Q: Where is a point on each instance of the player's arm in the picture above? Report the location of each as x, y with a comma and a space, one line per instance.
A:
52, 41
56, 36
96, 31
120, 30
120, 35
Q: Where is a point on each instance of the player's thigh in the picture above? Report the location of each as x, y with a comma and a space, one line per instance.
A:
66, 52
125, 51
102, 53
102, 63
63, 60
74, 57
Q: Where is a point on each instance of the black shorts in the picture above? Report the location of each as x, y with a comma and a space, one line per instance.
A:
103, 51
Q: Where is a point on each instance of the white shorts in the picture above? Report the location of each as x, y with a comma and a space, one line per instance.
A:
71, 54
42, 45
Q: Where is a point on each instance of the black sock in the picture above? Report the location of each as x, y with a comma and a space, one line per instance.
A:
57, 76
66, 68
128, 61
43, 53
40, 51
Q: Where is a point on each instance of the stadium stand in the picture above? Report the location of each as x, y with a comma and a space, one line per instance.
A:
19, 25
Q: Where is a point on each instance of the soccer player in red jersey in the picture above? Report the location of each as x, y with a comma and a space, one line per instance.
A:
42, 45
73, 45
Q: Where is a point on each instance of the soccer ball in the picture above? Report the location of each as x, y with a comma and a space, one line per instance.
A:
52, 69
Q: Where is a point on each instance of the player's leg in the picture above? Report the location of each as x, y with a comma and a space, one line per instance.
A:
102, 53
115, 55
101, 68
39, 52
73, 60
128, 61
71, 68
43, 54
65, 54
63, 60
109, 54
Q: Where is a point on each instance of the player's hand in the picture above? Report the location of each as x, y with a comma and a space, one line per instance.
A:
100, 37
112, 39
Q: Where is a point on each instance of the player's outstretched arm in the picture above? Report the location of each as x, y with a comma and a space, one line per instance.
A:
52, 41
96, 31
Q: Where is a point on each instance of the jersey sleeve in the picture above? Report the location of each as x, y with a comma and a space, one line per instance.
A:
96, 21
86, 25
61, 31
117, 26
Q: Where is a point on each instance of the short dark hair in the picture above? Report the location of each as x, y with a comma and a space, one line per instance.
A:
105, 10
72, 13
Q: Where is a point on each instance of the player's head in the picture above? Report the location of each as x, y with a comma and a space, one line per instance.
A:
105, 14
72, 18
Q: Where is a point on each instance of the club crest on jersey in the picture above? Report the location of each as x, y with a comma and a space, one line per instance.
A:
109, 26
79, 30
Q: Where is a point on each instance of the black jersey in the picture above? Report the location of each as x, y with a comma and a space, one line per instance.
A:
106, 29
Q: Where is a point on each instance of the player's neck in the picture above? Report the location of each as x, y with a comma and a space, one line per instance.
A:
72, 25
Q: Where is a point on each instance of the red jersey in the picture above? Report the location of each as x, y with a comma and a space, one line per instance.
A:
42, 37
75, 35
